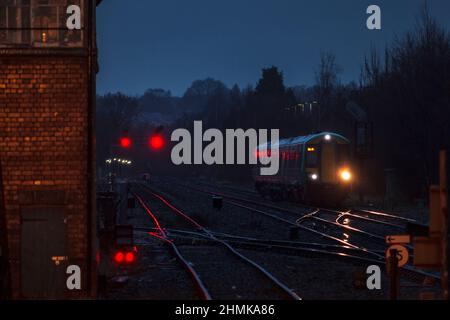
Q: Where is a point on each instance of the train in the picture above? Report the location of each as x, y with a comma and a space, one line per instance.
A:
315, 168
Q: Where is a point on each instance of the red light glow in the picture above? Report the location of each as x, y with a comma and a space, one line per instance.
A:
119, 257
129, 257
156, 142
125, 142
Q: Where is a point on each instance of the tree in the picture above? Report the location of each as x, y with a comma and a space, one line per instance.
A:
158, 101
326, 84
410, 101
204, 88
118, 109
271, 83
198, 96
115, 113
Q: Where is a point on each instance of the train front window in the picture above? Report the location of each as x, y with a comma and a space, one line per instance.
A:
343, 153
312, 156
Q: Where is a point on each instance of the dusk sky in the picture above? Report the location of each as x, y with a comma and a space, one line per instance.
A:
169, 43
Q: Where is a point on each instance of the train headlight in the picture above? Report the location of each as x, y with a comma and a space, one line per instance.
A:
346, 175
328, 137
314, 177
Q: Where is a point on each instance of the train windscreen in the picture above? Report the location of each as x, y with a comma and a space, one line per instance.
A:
312, 156
343, 153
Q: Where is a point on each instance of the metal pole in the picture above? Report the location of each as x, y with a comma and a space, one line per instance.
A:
361, 172
394, 288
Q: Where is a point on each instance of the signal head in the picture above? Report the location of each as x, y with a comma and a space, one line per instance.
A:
156, 142
125, 142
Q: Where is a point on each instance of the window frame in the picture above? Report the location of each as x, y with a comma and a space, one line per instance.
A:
26, 34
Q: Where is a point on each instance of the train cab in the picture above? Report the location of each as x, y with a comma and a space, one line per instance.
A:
313, 168
327, 170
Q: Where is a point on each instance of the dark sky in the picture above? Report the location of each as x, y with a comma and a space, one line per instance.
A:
169, 43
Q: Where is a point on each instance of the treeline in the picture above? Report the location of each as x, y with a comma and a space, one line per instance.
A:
405, 91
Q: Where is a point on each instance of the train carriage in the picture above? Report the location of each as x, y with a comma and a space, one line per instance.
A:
313, 168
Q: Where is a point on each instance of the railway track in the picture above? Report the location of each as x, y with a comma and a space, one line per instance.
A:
335, 221
208, 276
296, 219
294, 248
162, 235
356, 213
350, 213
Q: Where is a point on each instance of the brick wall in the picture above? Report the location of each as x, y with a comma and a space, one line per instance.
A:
44, 147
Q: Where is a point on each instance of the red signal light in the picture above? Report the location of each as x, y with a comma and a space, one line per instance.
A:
156, 142
130, 257
125, 142
119, 257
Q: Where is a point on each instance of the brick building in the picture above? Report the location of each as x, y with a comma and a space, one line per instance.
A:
47, 93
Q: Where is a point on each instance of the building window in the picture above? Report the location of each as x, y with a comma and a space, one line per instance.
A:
38, 23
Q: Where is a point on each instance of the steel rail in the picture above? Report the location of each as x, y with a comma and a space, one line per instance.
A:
312, 215
229, 237
383, 214
407, 267
266, 273
346, 243
324, 235
198, 283
320, 209
377, 213
343, 214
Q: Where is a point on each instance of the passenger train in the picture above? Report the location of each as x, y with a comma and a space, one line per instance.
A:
313, 169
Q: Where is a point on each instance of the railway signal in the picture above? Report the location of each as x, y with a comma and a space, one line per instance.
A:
119, 257
124, 257
130, 257
156, 142
125, 141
